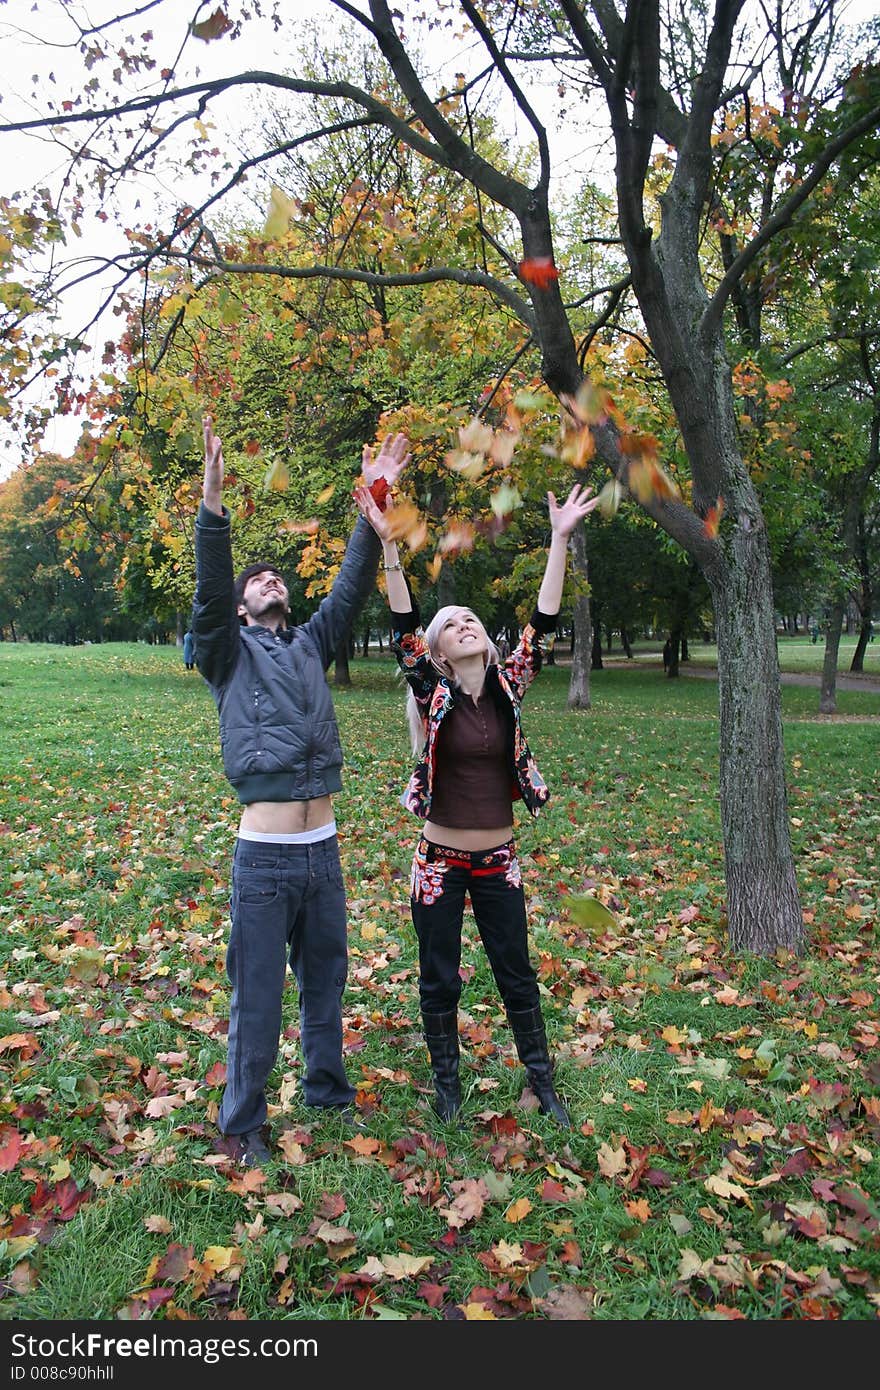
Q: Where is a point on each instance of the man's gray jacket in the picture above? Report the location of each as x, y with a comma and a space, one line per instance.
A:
278, 732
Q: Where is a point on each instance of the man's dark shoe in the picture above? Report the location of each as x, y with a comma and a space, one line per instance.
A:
251, 1150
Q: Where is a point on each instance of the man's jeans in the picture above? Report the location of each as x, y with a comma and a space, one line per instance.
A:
288, 903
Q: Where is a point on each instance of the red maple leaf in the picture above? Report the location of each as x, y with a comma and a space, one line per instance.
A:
379, 491
539, 271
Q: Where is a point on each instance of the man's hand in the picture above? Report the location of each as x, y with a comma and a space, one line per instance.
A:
212, 486
389, 463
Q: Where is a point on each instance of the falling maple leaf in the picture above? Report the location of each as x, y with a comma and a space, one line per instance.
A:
458, 538
276, 477
591, 405
476, 437
213, 27
712, 519
466, 465
578, 447
592, 914
538, 271
503, 445
609, 497
646, 480
299, 528
505, 500
326, 493
281, 212
404, 520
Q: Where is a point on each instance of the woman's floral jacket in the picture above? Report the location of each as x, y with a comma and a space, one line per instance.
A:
435, 697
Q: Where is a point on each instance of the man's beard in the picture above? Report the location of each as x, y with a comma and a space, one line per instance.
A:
270, 607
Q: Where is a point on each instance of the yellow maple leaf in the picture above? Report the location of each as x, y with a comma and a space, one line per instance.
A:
281, 210
674, 1035
403, 1266
276, 477
476, 438
477, 1312
518, 1210
508, 1254
611, 1162
221, 1257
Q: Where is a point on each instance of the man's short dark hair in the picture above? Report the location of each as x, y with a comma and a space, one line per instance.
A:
241, 580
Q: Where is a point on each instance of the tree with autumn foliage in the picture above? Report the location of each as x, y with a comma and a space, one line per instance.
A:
673, 87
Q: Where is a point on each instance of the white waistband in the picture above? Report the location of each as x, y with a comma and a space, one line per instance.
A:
299, 837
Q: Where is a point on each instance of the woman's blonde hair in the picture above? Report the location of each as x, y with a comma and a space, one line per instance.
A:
432, 636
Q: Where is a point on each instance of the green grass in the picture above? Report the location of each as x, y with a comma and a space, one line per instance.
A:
727, 1115
796, 654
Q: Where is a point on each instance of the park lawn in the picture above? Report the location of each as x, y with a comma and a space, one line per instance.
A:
800, 655
727, 1109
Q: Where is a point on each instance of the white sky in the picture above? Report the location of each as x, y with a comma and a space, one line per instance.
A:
52, 47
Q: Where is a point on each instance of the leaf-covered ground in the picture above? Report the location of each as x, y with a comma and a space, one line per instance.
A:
723, 1162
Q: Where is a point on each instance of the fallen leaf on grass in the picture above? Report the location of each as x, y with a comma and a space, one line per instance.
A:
591, 914
567, 1303
518, 1210
159, 1225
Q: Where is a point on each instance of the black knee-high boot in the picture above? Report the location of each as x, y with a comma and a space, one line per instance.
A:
531, 1044
441, 1035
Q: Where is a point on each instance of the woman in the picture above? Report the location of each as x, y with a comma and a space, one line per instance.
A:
464, 709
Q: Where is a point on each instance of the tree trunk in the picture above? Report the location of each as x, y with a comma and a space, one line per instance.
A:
625, 643
828, 691
763, 908
582, 628
342, 672
596, 653
445, 586
858, 661
674, 650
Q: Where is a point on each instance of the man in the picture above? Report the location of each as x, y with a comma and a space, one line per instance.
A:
282, 754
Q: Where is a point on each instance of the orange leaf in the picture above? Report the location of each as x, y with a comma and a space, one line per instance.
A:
713, 518
403, 520
579, 447
518, 1210
363, 1144
10, 1150
639, 1208
25, 1043
301, 528
458, 538
539, 271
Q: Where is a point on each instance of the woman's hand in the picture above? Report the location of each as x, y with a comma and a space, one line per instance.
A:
366, 505
566, 516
